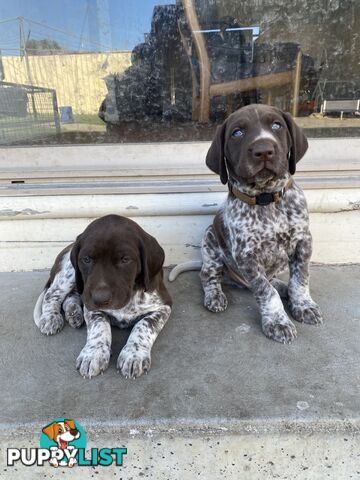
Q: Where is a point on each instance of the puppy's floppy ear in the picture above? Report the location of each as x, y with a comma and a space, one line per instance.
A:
215, 158
75, 263
151, 257
298, 142
50, 430
70, 423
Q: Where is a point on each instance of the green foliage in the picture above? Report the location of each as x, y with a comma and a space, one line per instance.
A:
42, 47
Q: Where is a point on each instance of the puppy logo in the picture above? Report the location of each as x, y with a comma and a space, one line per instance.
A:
63, 443
60, 437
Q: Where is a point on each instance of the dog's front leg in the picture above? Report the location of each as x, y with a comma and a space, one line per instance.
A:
301, 305
135, 357
94, 357
51, 320
274, 320
211, 273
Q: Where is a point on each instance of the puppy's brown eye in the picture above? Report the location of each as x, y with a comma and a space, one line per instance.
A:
238, 133
86, 259
276, 126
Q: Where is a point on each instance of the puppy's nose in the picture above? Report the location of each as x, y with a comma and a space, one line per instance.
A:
74, 432
101, 296
263, 151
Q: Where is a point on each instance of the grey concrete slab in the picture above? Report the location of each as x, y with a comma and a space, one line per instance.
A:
206, 368
219, 457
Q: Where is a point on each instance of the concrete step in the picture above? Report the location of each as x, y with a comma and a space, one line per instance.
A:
220, 401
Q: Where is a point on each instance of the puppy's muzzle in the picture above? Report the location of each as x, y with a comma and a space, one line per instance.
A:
263, 151
264, 157
101, 297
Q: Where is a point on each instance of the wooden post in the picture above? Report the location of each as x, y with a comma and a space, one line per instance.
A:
203, 59
269, 97
296, 84
229, 104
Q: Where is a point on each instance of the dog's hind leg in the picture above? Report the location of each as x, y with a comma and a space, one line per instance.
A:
212, 272
73, 310
301, 305
51, 320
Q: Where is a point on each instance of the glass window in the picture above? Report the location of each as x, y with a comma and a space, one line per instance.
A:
99, 71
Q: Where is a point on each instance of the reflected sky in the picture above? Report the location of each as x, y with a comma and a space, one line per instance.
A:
81, 25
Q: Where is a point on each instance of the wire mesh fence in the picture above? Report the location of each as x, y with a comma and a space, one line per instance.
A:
27, 112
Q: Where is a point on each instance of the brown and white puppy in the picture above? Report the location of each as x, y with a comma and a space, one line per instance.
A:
62, 433
115, 269
263, 226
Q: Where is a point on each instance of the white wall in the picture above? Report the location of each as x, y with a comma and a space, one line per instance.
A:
34, 229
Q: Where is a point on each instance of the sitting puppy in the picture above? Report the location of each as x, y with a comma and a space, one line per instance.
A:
116, 268
263, 225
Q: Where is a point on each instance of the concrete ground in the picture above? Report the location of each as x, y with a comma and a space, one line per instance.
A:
220, 401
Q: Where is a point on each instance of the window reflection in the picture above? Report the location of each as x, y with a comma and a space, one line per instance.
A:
114, 71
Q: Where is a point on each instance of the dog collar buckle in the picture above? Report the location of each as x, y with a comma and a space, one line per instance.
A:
264, 199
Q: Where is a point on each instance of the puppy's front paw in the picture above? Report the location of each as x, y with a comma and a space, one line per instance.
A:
134, 361
279, 328
306, 311
50, 324
54, 463
215, 301
72, 462
93, 360
74, 315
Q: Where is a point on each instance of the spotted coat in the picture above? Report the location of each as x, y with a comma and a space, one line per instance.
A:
145, 311
254, 243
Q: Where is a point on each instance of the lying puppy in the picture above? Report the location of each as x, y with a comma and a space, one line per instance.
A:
263, 225
116, 267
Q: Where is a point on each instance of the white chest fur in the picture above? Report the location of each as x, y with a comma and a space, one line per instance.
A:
268, 233
140, 304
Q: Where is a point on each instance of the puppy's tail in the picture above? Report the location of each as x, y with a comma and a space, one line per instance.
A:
184, 267
38, 308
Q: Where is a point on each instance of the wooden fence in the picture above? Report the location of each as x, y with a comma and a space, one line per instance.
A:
79, 79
